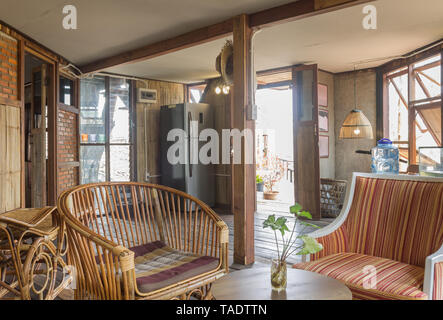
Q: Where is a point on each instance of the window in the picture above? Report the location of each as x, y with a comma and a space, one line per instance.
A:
66, 91
106, 149
414, 90
195, 92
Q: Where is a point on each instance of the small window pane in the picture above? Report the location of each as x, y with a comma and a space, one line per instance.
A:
120, 163
92, 111
66, 91
119, 111
305, 102
93, 164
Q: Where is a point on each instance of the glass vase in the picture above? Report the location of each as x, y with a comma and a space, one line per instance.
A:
278, 275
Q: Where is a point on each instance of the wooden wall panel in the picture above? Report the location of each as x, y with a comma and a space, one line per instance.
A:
222, 107
10, 158
148, 133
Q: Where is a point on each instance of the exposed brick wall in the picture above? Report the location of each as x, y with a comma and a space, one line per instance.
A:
67, 149
8, 67
67, 178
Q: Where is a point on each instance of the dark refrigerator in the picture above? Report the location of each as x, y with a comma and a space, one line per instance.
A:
194, 178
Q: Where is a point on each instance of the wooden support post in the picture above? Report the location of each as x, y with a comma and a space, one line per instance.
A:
244, 174
441, 96
412, 152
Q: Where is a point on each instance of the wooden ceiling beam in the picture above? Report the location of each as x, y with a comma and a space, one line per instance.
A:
298, 10
186, 40
292, 11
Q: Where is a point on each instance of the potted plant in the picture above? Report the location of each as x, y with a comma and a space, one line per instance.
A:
299, 244
259, 182
275, 173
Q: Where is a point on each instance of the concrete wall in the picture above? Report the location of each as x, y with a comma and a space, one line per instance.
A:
346, 160
327, 165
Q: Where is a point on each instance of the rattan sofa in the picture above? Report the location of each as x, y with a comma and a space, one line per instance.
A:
142, 241
387, 242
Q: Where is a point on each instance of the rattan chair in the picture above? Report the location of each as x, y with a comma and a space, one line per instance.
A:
142, 241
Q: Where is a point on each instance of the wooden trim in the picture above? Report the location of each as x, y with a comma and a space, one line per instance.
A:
70, 164
381, 111
11, 102
67, 108
268, 72
21, 87
39, 54
133, 129
412, 149
412, 58
52, 168
275, 84
244, 174
183, 41
298, 10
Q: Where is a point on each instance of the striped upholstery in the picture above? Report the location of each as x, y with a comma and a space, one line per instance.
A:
334, 242
157, 266
399, 220
438, 281
394, 280
396, 219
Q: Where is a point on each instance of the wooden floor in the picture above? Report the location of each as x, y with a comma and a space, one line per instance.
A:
264, 239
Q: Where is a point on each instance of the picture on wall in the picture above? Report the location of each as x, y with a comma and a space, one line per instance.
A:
322, 95
323, 146
323, 120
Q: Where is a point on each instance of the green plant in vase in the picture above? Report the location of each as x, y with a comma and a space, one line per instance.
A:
299, 244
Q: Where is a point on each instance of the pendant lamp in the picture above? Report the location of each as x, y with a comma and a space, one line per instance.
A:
356, 125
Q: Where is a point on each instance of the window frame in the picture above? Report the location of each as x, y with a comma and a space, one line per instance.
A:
107, 144
397, 68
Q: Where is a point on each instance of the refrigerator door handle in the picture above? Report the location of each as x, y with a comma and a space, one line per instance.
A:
189, 143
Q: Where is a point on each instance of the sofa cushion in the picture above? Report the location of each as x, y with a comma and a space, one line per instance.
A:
401, 220
158, 266
392, 280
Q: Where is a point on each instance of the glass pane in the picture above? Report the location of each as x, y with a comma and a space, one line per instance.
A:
66, 91
120, 163
305, 103
428, 78
119, 112
92, 110
398, 109
93, 164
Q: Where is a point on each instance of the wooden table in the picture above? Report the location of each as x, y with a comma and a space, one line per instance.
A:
255, 284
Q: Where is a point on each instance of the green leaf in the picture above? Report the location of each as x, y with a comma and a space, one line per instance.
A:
307, 224
310, 246
295, 208
279, 224
269, 222
304, 214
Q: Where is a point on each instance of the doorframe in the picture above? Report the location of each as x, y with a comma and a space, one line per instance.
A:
316, 215
52, 125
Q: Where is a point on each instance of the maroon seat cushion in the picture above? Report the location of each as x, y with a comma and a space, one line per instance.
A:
158, 266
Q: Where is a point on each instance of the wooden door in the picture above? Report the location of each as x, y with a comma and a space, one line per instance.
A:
306, 153
39, 137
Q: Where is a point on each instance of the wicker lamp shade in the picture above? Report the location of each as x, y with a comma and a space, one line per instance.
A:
356, 126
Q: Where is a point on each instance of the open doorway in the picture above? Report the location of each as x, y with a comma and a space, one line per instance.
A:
274, 143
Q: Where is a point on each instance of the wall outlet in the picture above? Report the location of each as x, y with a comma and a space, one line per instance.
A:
147, 176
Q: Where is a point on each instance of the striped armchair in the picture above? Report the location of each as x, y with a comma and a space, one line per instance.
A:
387, 241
